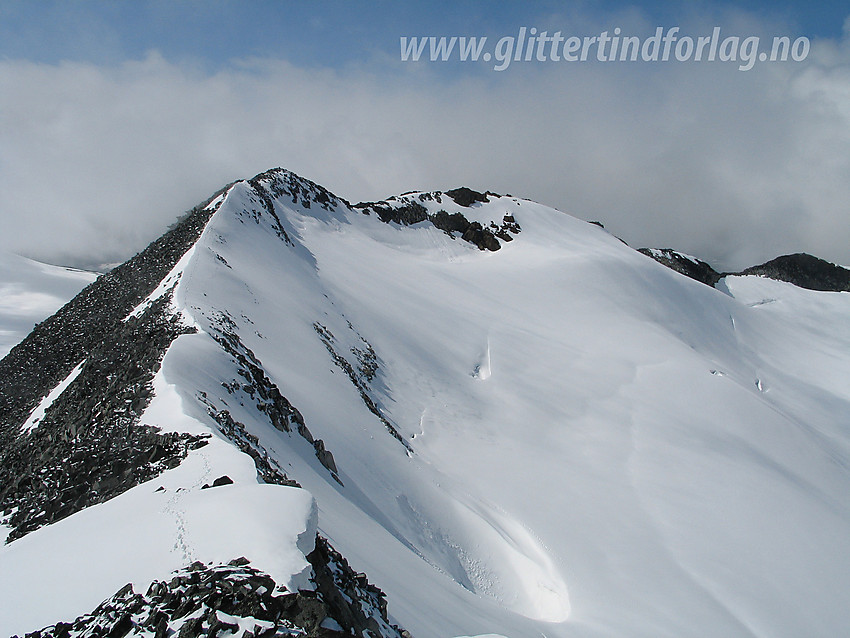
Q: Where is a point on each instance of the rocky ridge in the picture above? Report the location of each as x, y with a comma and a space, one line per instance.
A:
408, 209
239, 601
90, 446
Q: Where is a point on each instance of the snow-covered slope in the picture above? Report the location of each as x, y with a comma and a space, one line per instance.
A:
31, 291
560, 437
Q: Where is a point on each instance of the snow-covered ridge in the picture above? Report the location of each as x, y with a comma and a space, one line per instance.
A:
559, 437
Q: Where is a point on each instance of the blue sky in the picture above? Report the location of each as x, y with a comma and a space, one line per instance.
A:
117, 116
325, 33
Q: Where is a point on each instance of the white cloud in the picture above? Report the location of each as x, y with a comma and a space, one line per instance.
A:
733, 166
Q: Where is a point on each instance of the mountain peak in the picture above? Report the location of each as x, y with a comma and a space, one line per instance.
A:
503, 415
280, 182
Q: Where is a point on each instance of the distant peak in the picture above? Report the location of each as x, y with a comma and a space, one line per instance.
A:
805, 271
801, 269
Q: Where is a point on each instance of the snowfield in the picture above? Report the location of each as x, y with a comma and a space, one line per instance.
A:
31, 291
562, 438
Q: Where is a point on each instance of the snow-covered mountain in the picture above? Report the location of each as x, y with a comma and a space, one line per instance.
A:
448, 414
31, 291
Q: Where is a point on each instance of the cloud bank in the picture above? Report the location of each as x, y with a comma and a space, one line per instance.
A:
735, 167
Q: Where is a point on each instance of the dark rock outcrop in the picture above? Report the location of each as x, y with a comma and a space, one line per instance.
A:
360, 376
338, 585
693, 268
408, 209
221, 480
268, 469
805, 271
256, 386
216, 600
473, 232
409, 212
466, 197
